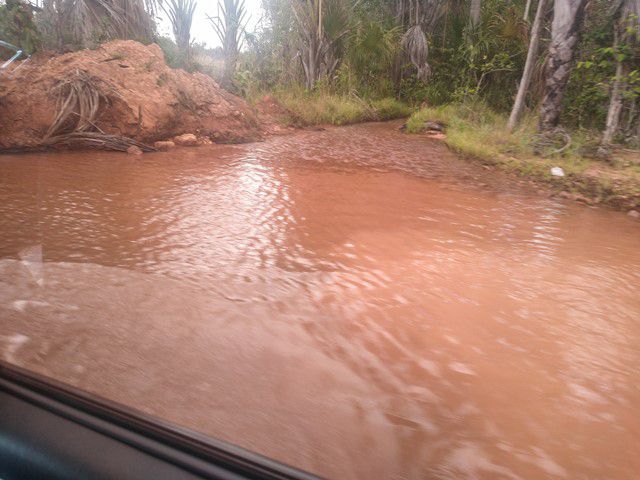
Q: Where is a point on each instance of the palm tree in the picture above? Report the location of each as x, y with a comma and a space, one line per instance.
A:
230, 25
321, 25
180, 13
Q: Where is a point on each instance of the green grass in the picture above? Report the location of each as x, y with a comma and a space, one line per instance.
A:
326, 108
474, 130
477, 131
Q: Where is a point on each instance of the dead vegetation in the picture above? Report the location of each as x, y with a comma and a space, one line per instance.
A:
98, 140
80, 97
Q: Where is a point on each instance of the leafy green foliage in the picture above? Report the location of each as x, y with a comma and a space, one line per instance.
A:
591, 82
17, 26
370, 52
485, 62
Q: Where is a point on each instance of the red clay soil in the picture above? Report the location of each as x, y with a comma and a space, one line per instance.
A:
147, 100
276, 119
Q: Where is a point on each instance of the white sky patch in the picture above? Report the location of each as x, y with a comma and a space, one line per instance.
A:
201, 29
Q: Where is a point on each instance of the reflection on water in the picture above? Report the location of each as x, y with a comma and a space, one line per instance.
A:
354, 302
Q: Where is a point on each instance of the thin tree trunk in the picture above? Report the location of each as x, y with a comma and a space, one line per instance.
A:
632, 113
532, 55
320, 19
631, 117
527, 9
474, 12
229, 70
615, 103
565, 30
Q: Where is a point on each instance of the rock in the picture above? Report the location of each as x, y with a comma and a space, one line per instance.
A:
633, 214
434, 126
186, 140
435, 135
165, 145
583, 199
133, 150
567, 195
557, 172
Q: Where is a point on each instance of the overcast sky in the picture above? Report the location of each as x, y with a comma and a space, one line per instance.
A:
201, 29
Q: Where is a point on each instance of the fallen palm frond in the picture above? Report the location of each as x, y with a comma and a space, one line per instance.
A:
415, 44
99, 140
80, 98
180, 13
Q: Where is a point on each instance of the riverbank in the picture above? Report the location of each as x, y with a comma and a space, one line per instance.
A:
124, 92
119, 94
303, 109
478, 133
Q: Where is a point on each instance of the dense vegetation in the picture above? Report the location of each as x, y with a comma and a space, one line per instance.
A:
438, 52
342, 61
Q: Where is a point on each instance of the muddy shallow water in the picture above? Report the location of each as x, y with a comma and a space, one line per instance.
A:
354, 302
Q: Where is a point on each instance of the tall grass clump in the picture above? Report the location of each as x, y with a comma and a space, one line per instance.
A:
329, 108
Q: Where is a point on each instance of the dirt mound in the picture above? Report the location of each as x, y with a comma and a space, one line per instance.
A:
141, 98
275, 118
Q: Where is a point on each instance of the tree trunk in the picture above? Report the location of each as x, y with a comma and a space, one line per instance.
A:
567, 18
626, 29
312, 62
229, 70
532, 54
631, 120
615, 102
527, 9
234, 24
474, 12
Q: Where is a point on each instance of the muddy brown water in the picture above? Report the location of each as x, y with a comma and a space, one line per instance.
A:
354, 302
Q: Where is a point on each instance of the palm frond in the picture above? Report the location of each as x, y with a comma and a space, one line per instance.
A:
415, 44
